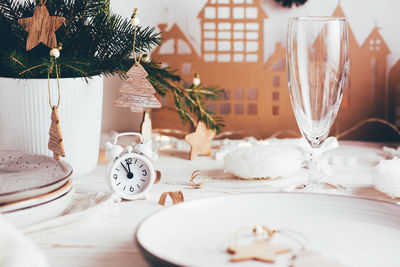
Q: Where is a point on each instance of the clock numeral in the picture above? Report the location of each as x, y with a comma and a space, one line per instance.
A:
115, 176
131, 189
128, 161
144, 172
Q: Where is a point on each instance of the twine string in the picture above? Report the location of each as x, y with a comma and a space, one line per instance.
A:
137, 60
58, 85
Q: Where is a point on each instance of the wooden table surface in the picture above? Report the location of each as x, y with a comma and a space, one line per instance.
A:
110, 242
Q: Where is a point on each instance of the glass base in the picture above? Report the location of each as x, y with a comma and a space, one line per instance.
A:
320, 186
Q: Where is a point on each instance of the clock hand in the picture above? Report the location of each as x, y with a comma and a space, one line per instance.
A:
124, 168
129, 167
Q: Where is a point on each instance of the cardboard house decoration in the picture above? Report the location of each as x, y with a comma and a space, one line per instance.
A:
255, 98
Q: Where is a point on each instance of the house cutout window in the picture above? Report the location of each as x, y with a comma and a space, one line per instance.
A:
212, 107
167, 47
238, 12
225, 108
239, 94
210, 13
209, 35
186, 68
375, 44
238, 101
239, 108
224, 57
275, 96
275, 110
183, 47
223, 12
209, 57
209, 46
225, 94
252, 109
251, 12
276, 81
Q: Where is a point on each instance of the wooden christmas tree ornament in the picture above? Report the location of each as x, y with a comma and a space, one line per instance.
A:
41, 27
200, 140
55, 141
260, 250
137, 92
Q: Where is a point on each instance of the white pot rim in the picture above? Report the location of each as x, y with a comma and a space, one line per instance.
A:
61, 79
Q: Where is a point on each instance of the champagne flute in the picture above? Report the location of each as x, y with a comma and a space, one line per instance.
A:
316, 64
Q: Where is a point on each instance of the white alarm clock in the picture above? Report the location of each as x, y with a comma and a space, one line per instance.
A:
130, 172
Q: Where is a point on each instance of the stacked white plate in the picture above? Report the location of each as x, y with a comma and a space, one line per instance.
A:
33, 188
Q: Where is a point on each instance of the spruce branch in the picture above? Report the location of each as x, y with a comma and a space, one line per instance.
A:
96, 42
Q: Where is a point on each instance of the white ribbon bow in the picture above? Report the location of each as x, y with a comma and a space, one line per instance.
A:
315, 153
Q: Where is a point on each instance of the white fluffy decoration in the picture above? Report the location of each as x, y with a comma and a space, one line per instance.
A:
272, 161
386, 177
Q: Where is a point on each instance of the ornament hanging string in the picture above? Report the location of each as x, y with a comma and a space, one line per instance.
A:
54, 63
135, 23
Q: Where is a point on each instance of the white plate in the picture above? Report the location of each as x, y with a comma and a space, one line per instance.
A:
25, 175
34, 201
354, 231
35, 214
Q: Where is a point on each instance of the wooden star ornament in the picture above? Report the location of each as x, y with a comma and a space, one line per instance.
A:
200, 140
260, 250
41, 28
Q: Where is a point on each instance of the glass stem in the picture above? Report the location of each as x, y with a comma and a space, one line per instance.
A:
314, 169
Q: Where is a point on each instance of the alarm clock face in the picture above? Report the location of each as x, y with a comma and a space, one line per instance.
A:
131, 174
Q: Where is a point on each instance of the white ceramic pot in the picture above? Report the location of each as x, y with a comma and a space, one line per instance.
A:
25, 118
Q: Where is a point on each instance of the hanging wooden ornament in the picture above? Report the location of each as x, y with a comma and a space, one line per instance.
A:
200, 140
260, 250
41, 27
137, 92
55, 141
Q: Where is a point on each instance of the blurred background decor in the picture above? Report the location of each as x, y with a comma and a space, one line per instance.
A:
240, 45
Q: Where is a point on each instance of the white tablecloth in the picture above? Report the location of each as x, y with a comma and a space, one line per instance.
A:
110, 242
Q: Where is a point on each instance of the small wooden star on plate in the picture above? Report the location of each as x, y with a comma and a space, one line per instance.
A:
259, 250
200, 140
